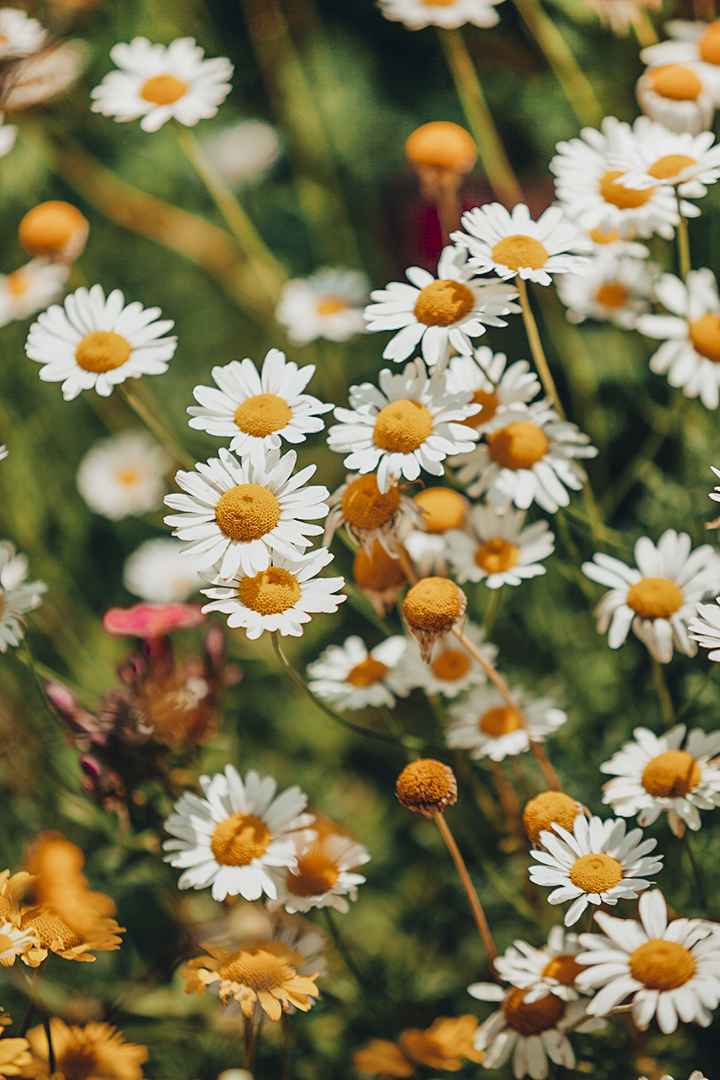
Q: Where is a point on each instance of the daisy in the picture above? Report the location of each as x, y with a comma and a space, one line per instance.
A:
443, 509
352, 677
485, 725
232, 837
677, 97
496, 387
8, 134
324, 875
451, 669
55, 935
19, 35
531, 457
687, 162
379, 576
244, 153
596, 863
705, 627
670, 968
512, 243
432, 608
498, 550
450, 14
369, 515
653, 774
17, 596
612, 241
658, 599
620, 15
409, 424
54, 230
14, 942
94, 343
31, 289
100, 1048
15, 1055
616, 289
158, 571
124, 475
257, 410
438, 313
328, 304
45, 74
690, 353
280, 598
158, 82
551, 969
695, 44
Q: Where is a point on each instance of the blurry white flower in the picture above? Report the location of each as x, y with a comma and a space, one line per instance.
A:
350, 676
157, 571
124, 475
485, 725
676, 97
496, 387
619, 15
328, 304
243, 153
451, 669
693, 44
551, 969
448, 13
44, 75
16, 595
497, 549
3, 451
8, 134
19, 35
324, 875
31, 289
616, 289
611, 241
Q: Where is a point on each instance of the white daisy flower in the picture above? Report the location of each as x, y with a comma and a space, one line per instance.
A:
14, 942
324, 875
531, 457
596, 863
688, 162
496, 387
93, 343
692, 44
677, 97
616, 289
159, 572
256, 410
17, 596
620, 15
451, 669
410, 423
8, 134
124, 475
159, 83
497, 549
658, 599
485, 725
654, 775
370, 515
438, 313
690, 353
669, 968
236, 514
243, 153
45, 74
350, 676
552, 969
511, 244
19, 35
236, 834
328, 304
281, 598
31, 288
705, 627
450, 14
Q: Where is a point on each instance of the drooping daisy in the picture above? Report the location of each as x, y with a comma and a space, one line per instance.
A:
352, 677
485, 725
438, 313
511, 244
451, 669
616, 289
8, 134
410, 423
19, 35
328, 304
687, 162
159, 572
93, 1051
676, 96
416, 14
243, 153
17, 596
443, 509
124, 475
31, 289
596, 863
379, 576
324, 876
257, 410
14, 942
620, 15
531, 457
496, 387
237, 514
551, 969
658, 599
695, 44
652, 775
158, 82
231, 838
498, 550
283, 597
432, 609
670, 968
93, 343
370, 515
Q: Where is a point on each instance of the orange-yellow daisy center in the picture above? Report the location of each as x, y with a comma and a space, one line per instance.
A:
623, 197
79, 1061
434, 604
710, 44
676, 83
654, 598
599, 237
262, 414
444, 509
380, 572
259, 970
548, 809
662, 965
705, 336
101, 351
17, 283
402, 426
50, 929
564, 968
442, 303
270, 592
239, 839
670, 165
533, 1018
246, 512
49, 227
315, 875
596, 873
365, 507
520, 252
488, 403
499, 721
331, 306
163, 90
518, 446
425, 783
496, 556
451, 665
671, 775
367, 672
612, 294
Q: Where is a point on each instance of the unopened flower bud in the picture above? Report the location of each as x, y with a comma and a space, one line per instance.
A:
54, 229
426, 786
431, 609
441, 153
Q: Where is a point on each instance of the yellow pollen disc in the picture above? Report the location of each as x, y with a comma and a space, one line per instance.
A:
534, 1018
425, 782
622, 197
128, 477
239, 839
365, 507
262, 415
257, 969
6, 943
102, 350
442, 303
367, 672
438, 3
79, 1062
518, 446
49, 227
564, 968
710, 44
596, 873
671, 775
444, 509
520, 252
433, 604
662, 965
499, 721
548, 809
315, 875
270, 592
654, 598
441, 144
331, 307
496, 556
612, 294
451, 665
247, 512
604, 238
17, 283
676, 82
380, 572
163, 90
705, 337
50, 929
489, 406
670, 165
402, 426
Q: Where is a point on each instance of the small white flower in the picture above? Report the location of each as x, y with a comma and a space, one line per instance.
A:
17, 596
324, 875
687, 162
328, 304
497, 549
450, 14
14, 942
693, 44
596, 863
658, 599
352, 677
31, 289
552, 969
8, 134
620, 15
677, 97
243, 153
496, 387
616, 289
19, 35
236, 834
158, 82
485, 725
451, 670
369, 515
124, 475
160, 573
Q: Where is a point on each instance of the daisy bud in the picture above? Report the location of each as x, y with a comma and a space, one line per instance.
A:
54, 229
441, 153
380, 578
431, 609
443, 508
548, 809
426, 785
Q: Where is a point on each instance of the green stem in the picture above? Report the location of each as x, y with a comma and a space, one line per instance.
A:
28, 1018
702, 891
683, 243
492, 610
156, 427
663, 693
536, 347
643, 29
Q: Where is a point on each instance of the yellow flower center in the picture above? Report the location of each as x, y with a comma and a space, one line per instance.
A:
676, 82
599, 237
441, 144
365, 507
612, 294
496, 556
239, 839
438, 3
128, 477
564, 968
425, 783
518, 446
705, 337
548, 809
314, 876
331, 307
50, 929
402, 426
710, 44
596, 873
102, 350
163, 90
17, 283
442, 303
380, 572
49, 227
520, 252
367, 672
654, 598
534, 1018
433, 604
622, 197
671, 775
451, 665
270, 592
499, 721
262, 415
489, 406
257, 969
444, 509
247, 512
670, 165
662, 965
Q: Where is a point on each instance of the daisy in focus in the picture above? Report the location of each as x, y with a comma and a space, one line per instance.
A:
159, 83
695, 44
451, 669
486, 726
654, 775
497, 549
159, 572
328, 304
19, 34
102, 1050
31, 288
496, 387
93, 343
124, 475
17, 596
443, 509
688, 162
369, 515
676, 96
350, 676
616, 289
657, 599
551, 969
324, 876
450, 14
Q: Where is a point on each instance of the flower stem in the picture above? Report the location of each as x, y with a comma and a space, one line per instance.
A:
702, 891
536, 346
683, 244
663, 692
156, 427
248, 1040
492, 609
508, 798
48, 1036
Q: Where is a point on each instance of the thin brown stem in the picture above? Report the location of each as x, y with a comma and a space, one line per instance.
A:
536, 346
508, 798
248, 1040
449, 211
